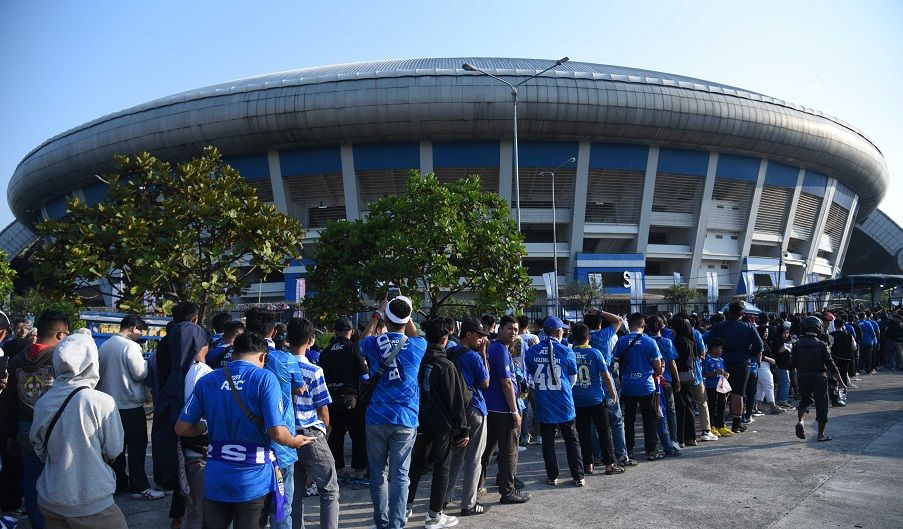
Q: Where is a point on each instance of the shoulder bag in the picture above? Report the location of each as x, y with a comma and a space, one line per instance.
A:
369, 386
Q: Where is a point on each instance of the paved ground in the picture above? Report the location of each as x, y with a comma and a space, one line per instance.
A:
763, 478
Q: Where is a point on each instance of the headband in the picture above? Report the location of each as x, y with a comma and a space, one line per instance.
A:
395, 319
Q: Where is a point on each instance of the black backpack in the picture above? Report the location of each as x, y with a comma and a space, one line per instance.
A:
453, 354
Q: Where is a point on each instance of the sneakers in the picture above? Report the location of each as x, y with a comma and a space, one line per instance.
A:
747, 420
627, 462
148, 494
440, 521
516, 497
758, 413
708, 436
360, 483
724, 431
552, 481
478, 508
521, 448
579, 482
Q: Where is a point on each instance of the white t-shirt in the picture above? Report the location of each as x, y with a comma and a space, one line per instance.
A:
196, 372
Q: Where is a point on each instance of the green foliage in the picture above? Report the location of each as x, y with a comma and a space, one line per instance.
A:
585, 294
680, 294
35, 302
7, 274
194, 232
434, 241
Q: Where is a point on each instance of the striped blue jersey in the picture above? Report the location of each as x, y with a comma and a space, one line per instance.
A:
550, 372
314, 394
396, 399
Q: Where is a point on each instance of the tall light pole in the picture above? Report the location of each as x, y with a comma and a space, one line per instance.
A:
555, 233
471, 68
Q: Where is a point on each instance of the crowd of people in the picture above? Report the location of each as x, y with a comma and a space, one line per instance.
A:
251, 420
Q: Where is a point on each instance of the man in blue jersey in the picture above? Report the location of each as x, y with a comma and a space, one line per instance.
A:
639, 360
590, 397
392, 416
869, 341
470, 358
221, 354
246, 418
503, 418
603, 340
288, 373
552, 372
741, 344
315, 460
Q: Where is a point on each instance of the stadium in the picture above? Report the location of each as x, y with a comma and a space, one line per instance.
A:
676, 180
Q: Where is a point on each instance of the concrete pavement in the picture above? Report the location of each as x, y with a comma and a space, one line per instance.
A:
763, 478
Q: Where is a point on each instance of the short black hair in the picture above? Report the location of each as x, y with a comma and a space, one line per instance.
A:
735, 309
233, 328
713, 342
592, 319
838, 322
436, 329
51, 322
655, 323
260, 321
523, 322
300, 331
506, 319
488, 320
249, 342
635, 319
133, 320
184, 311
219, 322
579, 333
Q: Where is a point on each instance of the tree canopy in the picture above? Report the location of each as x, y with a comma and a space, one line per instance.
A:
437, 240
585, 295
7, 274
195, 232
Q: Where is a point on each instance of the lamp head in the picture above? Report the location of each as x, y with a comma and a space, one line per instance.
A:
469, 67
562, 61
571, 160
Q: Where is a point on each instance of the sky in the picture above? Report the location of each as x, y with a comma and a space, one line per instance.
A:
66, 62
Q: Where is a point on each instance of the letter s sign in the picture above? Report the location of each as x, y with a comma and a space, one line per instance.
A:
233, 453
627, 279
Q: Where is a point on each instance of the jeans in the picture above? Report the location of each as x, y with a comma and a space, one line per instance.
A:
616, 422
597, 416
389, 449
469, 457
435, 447
315, 462
134, 425
351, 421
251, 514
782, 381
752, 382
664, 437
31, 471
500, 431
288, 477
571, 446
194, 506
670, 413
647, 404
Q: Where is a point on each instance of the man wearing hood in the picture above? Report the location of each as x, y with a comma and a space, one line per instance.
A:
76, 426
30, 376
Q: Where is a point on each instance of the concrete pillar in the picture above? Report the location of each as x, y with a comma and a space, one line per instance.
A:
847, 234
280, 198
642, 240
705, 205
349, 183
753, 210
822, 218
581, 183
792, 213
426, 157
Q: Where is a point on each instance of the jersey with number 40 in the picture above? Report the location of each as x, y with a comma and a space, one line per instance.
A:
549, 373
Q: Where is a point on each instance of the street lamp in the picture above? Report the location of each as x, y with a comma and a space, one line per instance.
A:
471, 68
555, 233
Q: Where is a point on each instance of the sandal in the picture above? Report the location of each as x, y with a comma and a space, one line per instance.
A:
825, 439
478, 508
615, 469
800, 431
654, 456
628, 462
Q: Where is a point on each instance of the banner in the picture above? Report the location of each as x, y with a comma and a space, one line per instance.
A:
300, 289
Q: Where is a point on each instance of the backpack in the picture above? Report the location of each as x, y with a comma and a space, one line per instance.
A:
453, 354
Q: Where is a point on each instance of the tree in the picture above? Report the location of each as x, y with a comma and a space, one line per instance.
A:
7, 274
194, 232
584, 294
680, 295
435, 239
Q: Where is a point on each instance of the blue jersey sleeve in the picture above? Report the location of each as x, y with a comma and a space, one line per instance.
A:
571, 363
476, 371
600, 364
652, 350
498, 362
193, 410
271, 401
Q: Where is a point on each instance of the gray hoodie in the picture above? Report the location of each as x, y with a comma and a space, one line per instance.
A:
76, 480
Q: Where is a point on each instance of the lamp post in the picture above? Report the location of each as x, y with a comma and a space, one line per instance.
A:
471, 68
555, 234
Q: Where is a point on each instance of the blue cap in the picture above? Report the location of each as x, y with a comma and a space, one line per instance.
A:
552, 323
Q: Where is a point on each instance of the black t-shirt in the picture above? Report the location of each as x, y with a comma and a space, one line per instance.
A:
342, 365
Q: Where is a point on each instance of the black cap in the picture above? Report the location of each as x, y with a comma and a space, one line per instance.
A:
472, 325
342, 324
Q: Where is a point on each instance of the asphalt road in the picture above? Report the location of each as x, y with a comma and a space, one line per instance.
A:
763, 478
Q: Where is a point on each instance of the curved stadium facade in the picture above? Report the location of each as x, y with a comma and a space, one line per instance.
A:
675, 179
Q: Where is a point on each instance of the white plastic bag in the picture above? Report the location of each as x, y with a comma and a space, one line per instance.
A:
723, 385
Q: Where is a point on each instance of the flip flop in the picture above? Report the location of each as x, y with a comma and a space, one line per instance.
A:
825, 440
800, 432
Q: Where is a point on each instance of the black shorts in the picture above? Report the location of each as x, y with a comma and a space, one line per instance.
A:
739, 374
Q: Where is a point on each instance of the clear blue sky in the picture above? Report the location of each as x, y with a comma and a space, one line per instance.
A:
67, 62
